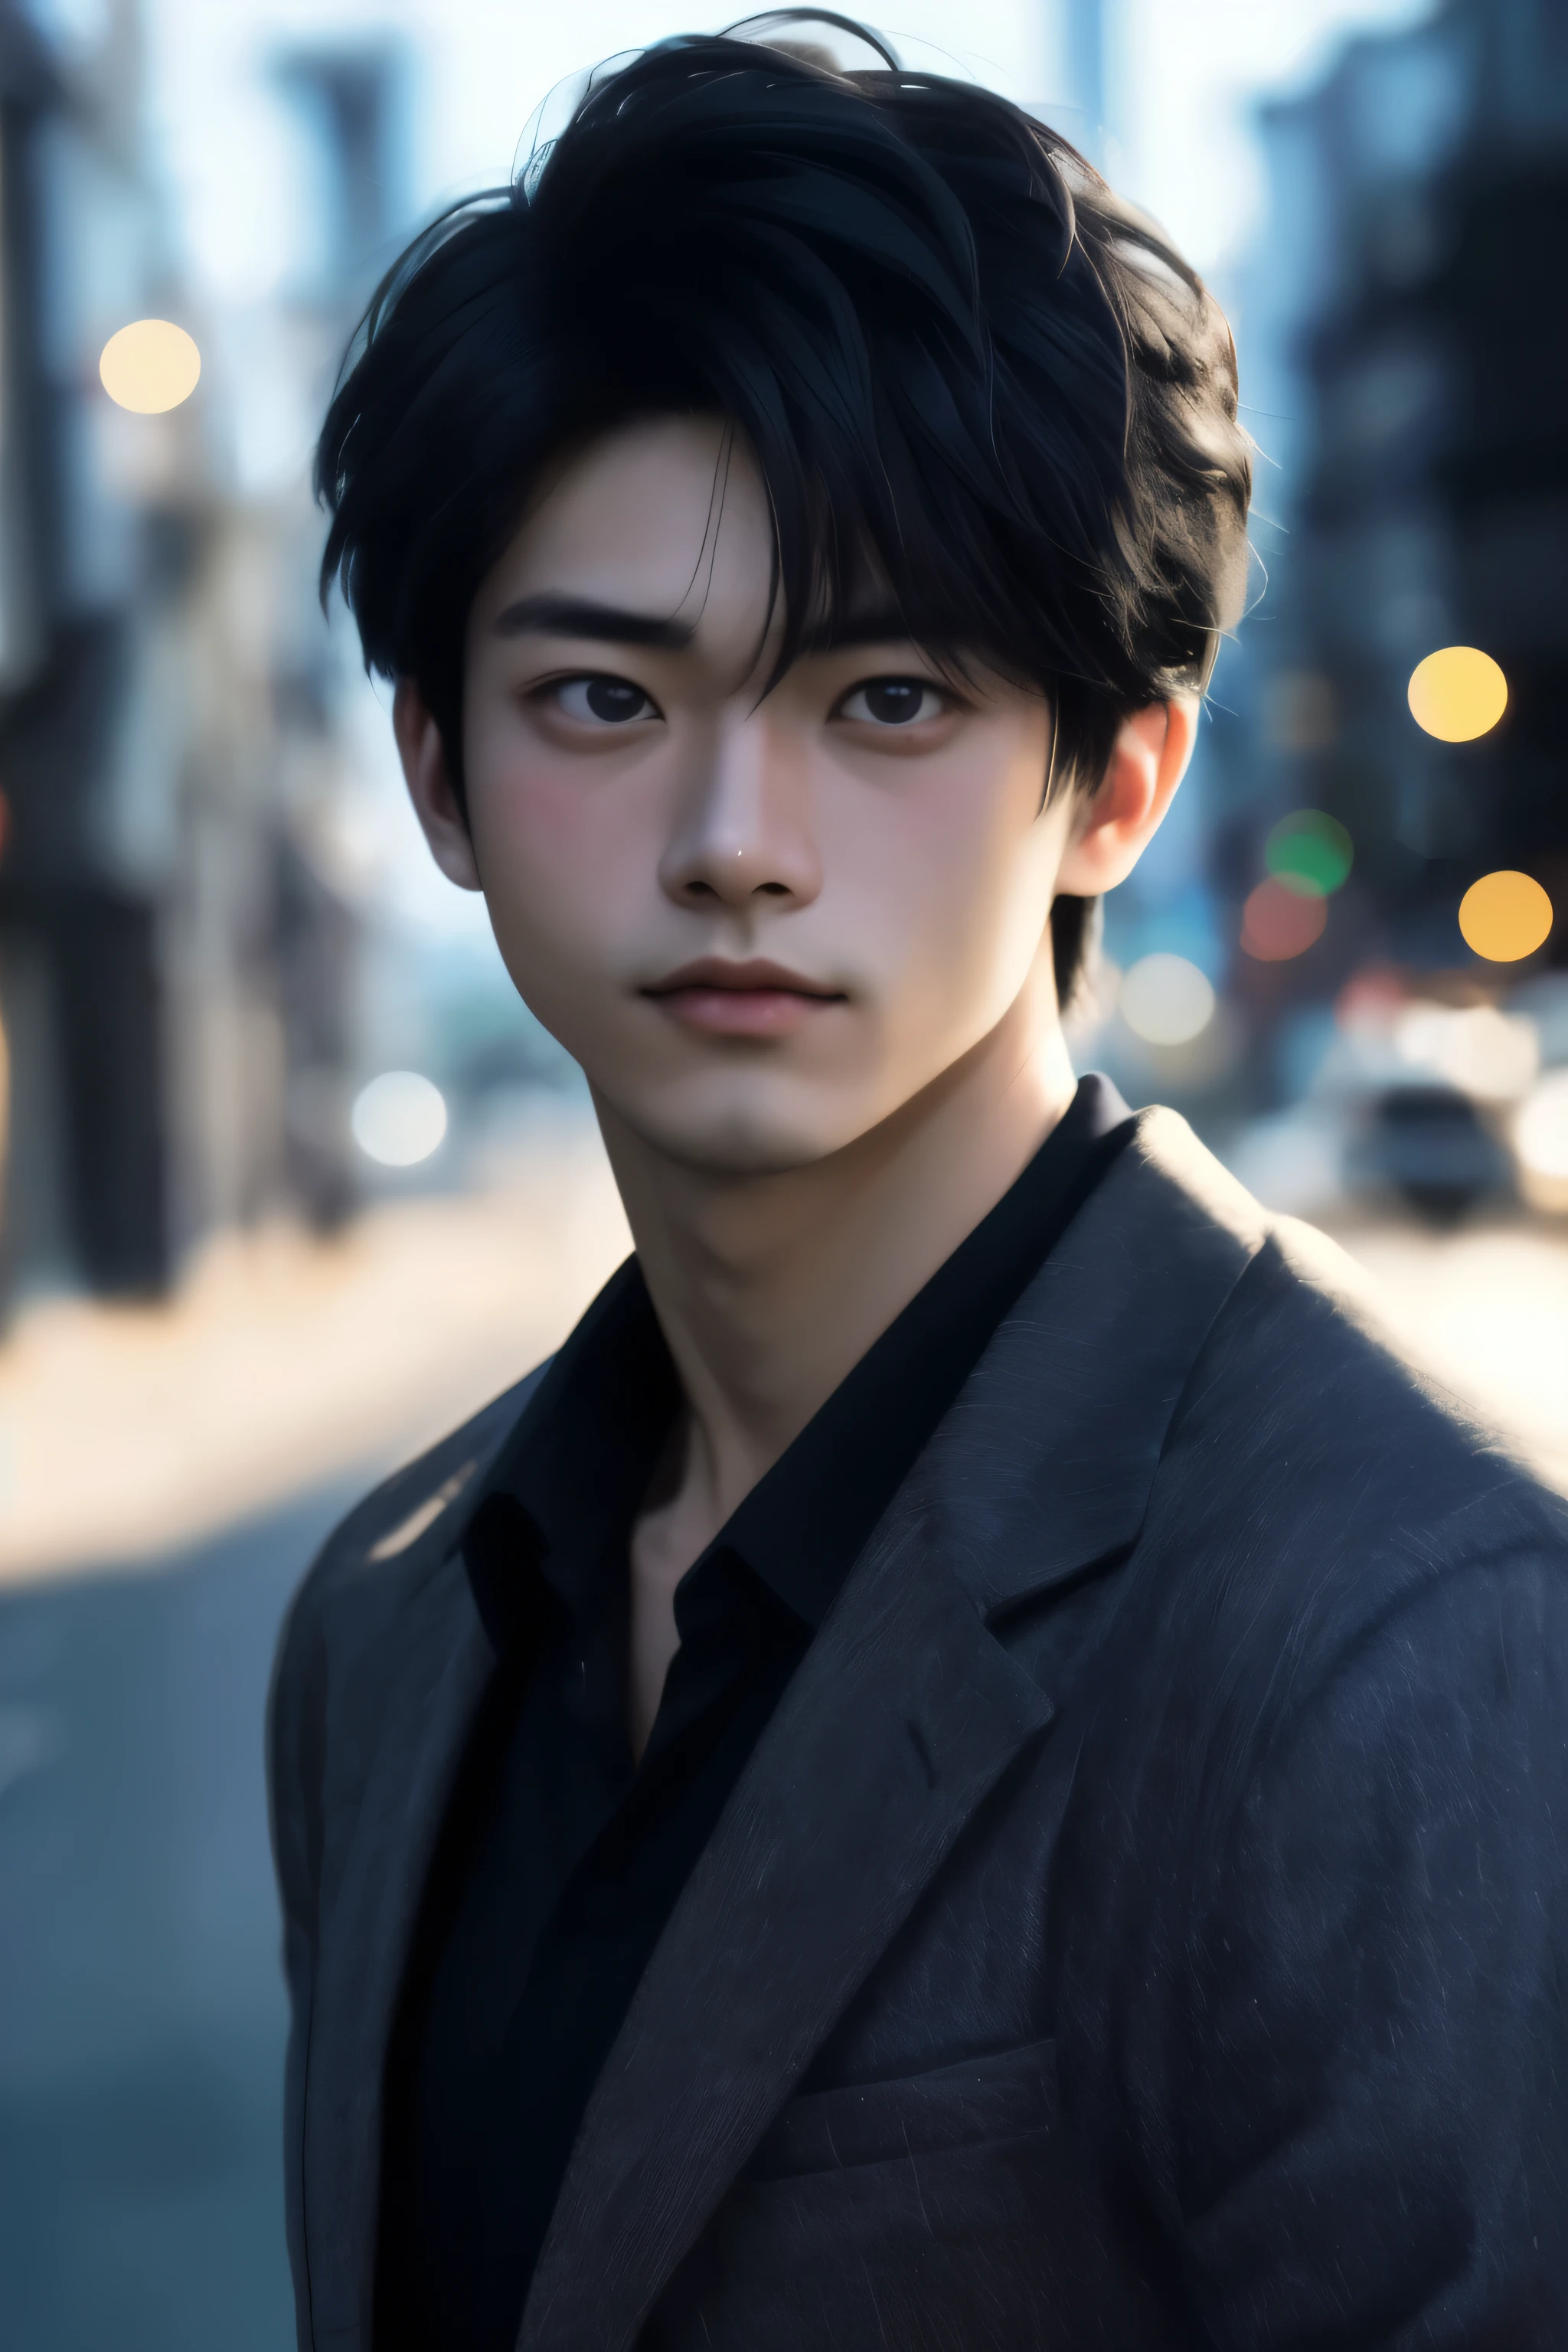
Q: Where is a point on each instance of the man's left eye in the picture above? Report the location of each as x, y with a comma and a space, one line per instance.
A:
892, 701
609, 701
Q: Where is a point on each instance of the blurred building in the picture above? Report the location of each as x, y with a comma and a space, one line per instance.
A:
1409, 345
1403, 348
178, 959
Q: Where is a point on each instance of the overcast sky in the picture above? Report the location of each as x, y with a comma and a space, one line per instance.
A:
1183, 77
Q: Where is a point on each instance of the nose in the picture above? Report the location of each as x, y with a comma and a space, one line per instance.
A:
744, 835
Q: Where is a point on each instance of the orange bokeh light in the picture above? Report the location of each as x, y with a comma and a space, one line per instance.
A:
1457, 693
1277, 922
1505, 915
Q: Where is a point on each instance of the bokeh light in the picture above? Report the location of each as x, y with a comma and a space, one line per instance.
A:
1540, 1131
1310, 852
150, 366
399, 1119
1505, 915
1457, 693
1165, 1000
1490, 1056
1540, 1143
1278, 922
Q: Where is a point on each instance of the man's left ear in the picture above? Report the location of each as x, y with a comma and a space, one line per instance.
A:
1112, 826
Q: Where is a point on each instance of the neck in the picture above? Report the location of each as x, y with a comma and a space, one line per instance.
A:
769, 1289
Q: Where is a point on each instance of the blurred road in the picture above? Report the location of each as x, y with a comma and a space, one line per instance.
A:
285, 1362
141, 2009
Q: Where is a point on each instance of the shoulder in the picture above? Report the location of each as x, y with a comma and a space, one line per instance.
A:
1292, 1420
1339, 1566
1296, 1393
1324, 1420
1312, 1870
1323, 1514
357, 1586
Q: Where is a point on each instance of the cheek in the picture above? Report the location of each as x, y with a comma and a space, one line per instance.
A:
956, 879
557, 851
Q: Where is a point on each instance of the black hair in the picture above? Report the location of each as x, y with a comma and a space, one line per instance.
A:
960, 361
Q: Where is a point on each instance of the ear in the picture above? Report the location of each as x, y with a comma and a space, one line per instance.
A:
1113, 825
429, 782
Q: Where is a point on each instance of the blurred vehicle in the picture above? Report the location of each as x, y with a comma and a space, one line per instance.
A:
1427, 1143
1426, 1092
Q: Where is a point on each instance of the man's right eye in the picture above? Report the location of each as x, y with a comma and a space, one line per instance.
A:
603, 701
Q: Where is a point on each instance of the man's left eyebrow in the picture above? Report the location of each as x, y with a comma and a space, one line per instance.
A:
583, 616
842, 632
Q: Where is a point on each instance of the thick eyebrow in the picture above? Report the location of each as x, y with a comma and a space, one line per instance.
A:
583, 616
885, 626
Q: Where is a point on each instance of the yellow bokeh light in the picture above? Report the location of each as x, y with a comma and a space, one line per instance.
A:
150, 366
1505, 915
1458, 694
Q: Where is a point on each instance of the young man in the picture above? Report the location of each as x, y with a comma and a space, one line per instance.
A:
973, 1763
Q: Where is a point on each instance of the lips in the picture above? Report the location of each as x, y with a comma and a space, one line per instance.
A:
755, 998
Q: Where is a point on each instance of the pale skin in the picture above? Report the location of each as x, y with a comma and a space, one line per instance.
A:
799, 1147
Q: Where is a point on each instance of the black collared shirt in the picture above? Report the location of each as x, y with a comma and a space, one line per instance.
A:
561, 1860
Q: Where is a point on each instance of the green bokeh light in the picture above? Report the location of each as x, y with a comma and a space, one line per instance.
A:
1311, 853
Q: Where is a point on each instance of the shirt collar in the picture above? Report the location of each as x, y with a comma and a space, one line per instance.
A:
587, 1451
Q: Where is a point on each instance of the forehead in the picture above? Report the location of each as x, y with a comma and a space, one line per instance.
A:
669, 516
668, 519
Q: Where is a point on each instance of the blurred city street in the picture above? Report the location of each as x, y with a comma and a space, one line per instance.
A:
288, 1359
292, 1182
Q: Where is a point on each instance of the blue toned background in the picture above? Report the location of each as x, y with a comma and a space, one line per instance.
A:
289, 1182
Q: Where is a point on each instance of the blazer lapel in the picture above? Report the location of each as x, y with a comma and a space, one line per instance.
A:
380, 1827
444, 1660
903, 1715
1045, 1463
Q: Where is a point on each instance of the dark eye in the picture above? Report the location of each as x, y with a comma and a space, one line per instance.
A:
609, 701
892, 701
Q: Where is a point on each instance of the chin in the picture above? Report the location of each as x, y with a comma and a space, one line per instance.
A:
747, 1138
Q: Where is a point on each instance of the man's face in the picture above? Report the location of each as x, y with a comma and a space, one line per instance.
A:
760, 925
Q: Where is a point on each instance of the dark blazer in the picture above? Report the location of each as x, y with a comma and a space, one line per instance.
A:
1144, 1921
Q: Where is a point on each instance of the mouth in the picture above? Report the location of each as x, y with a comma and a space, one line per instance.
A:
757, 999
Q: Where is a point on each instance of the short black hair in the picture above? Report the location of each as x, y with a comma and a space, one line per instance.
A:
961, 361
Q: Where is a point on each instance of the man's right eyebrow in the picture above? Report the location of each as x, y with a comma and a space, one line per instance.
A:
583, 616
